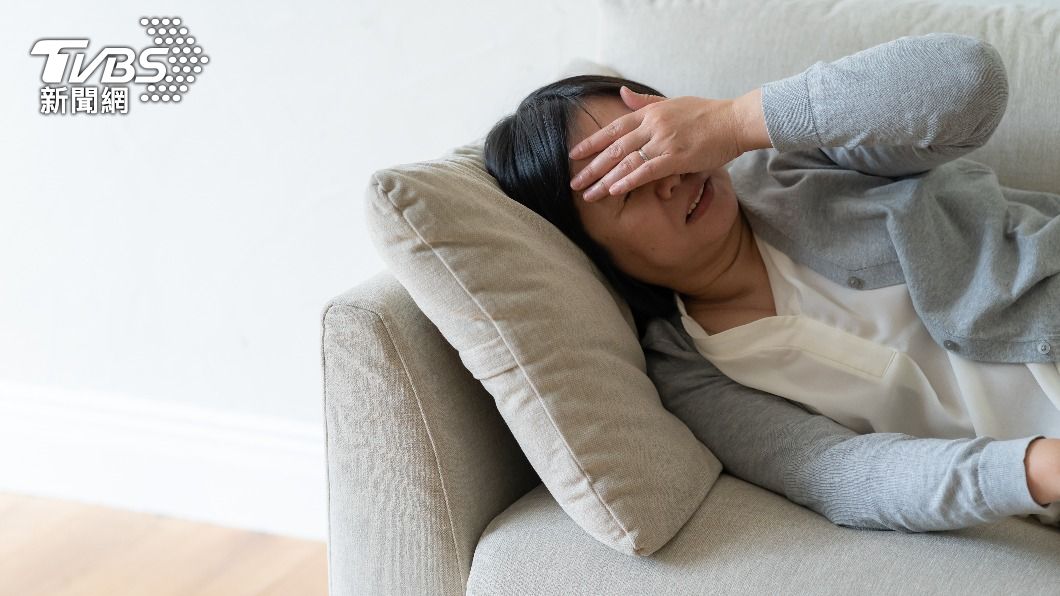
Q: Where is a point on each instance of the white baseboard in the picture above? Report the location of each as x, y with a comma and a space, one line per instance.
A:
230, 469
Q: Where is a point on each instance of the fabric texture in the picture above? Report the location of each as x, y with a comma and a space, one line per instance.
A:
554, 345
864, 359
923, 389
745, 540
866, 184
878, 481
419, 461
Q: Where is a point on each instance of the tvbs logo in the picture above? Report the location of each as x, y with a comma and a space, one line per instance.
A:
165, 69
119, 66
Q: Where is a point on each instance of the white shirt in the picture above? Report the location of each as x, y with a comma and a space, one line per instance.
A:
865, 359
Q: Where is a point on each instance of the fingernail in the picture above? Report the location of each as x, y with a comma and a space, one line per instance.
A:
617, 188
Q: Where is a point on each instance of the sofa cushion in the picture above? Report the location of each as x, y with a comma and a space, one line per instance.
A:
747, 540
536, 322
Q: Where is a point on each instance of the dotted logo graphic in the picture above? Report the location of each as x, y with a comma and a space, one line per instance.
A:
184, 57
161, 72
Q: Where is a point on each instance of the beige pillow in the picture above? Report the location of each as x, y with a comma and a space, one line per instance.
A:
537, 323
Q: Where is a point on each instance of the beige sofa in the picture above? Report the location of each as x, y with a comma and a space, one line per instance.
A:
428, 491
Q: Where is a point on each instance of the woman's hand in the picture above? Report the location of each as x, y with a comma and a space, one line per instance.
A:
1043, 470
680, 135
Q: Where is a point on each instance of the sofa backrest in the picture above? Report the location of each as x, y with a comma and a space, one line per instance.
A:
724, 48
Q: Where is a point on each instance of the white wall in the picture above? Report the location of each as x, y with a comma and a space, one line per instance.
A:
163, 273
184, 252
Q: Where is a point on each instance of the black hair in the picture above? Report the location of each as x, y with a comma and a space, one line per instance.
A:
527, 153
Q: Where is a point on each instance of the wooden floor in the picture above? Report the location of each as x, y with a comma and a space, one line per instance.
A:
60, 548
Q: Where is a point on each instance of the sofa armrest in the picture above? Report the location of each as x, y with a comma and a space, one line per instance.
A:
419, 460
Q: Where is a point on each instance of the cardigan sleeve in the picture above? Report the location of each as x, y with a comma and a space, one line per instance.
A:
894, 109
874, 481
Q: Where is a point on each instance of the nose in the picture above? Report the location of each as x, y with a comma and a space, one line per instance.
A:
667, 185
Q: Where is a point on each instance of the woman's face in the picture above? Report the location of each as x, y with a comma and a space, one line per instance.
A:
645, 230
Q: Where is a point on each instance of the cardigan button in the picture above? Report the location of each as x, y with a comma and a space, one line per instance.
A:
1044, 347
951, 345
855, 282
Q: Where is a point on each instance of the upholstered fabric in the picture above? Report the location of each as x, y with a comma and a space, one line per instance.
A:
745, 540
535, 321
418, 458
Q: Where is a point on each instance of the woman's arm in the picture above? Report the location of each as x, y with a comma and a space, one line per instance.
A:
751, 131
877, 480
894, 109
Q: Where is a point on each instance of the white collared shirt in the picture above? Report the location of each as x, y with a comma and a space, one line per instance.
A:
865, 359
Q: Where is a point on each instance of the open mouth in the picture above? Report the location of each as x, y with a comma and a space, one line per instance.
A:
703, 202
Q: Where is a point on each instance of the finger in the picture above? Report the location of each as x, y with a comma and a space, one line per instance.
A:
609, 158
650, 171
606, 135
636, 101
628, 165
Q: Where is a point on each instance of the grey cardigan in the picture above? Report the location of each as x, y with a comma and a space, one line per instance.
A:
864, 184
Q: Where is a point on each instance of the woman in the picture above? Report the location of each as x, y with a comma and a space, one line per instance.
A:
851, 271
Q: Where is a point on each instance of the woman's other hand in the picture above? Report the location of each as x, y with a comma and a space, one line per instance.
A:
679, 135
